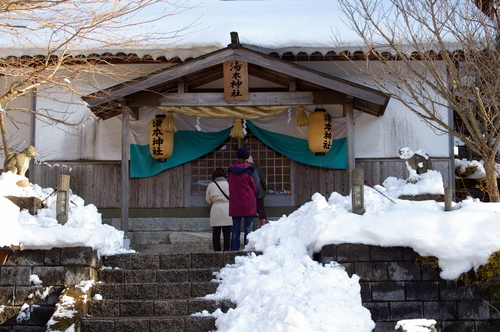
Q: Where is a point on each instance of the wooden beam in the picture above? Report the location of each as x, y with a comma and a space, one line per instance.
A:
181, 85
143, 99
215, 59
254, 99
349, 114
125, 185
134, 113
318, 78
160, 77
329, 97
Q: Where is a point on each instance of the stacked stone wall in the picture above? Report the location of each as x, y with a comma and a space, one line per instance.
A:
26, 304
398, 284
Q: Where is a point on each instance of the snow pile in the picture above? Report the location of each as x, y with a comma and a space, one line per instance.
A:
430, 182
462, 239
472, 169
283, 289
42, 231
280, 291
11, 235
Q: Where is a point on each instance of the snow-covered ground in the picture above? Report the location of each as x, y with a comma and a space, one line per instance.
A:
42, 231
284, 289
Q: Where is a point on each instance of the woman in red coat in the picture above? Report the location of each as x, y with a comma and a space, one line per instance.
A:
243, 180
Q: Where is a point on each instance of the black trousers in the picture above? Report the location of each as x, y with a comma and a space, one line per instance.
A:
261, 211
226, 235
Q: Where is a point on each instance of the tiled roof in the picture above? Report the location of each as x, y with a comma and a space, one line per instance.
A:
182, 55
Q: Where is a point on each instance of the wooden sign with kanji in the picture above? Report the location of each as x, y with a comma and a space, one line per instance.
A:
235, 81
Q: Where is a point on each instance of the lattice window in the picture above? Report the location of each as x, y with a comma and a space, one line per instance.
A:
275, 166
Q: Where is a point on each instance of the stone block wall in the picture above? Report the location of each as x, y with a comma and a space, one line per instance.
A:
25, 304
396, 284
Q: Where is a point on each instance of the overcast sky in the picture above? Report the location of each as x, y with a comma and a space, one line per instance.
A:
271, 23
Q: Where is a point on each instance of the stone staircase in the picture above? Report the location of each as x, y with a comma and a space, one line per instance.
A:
156, 292
173, 235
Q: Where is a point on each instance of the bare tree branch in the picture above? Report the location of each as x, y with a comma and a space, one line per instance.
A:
57, 37
414, 44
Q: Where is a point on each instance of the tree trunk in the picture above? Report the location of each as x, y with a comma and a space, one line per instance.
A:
491, 182
4, 134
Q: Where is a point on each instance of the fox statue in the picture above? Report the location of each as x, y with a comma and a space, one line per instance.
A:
18, 163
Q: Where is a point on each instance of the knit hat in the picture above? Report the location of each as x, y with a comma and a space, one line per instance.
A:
243, 153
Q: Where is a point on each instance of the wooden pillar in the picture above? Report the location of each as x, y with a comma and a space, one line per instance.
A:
62, 201
35, 172
125, 176
349, 114
33, 118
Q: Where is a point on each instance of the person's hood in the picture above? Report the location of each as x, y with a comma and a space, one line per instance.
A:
240, 168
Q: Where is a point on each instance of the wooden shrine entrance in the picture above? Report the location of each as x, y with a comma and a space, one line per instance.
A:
233, 82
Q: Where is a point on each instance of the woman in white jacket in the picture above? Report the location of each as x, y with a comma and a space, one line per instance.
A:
217, 195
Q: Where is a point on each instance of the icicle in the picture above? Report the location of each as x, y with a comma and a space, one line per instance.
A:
301, 120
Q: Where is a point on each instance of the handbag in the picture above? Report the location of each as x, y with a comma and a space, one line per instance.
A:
222, 191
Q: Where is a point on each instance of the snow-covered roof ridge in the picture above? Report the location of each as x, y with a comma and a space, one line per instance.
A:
295, 53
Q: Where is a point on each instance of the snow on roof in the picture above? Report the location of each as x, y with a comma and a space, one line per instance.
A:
297, 29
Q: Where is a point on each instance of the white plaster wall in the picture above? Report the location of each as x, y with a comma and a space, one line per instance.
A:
399, 127
109, 138
91, 138
63, 142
